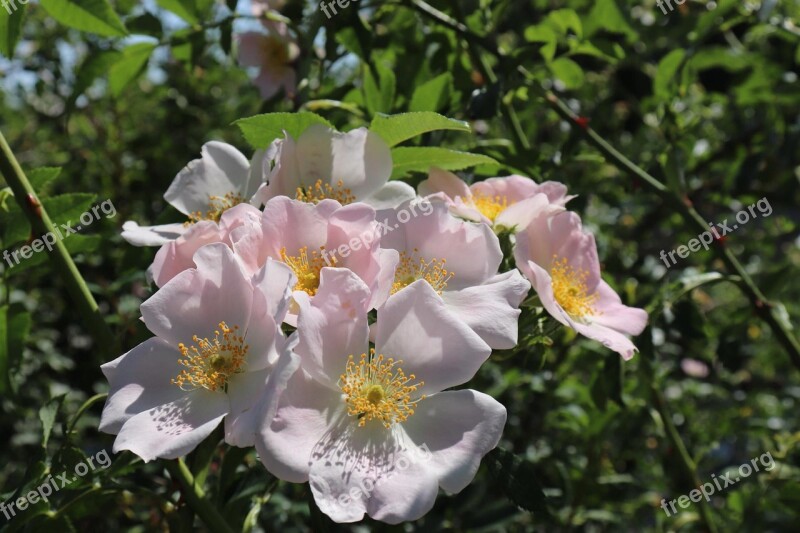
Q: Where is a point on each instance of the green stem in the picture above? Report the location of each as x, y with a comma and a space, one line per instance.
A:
764, 309
196, 497
86, 306
686, 460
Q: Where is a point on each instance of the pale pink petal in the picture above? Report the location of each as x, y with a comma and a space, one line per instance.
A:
491, 309
471, 250
140, 380
612, 313
151, 235
222, 169
251, 49
610, 338
254, 397
514, 188
292, 224
390, 195
332, 325
305, 412
446, 182
522, 213
416, 327
177, 256
197, 300
355, 470
173, 429
457, 428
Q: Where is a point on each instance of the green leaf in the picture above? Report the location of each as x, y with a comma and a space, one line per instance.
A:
75, 244
606, 15
96, 65
19, 326
16, 227
94, 16
10, 29
40, 177
129, 66
68, 207
565, 20
432, 95
192, 11
541, 33
395, 129
413, 159
667, 73
379, 94
47, 414
5, 365
261, 130
568, 71
518, 479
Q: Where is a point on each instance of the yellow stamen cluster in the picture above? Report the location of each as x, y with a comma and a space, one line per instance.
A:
377, 388
570, 290
216, 206
411, 268
314, 194
307, 268
211, 363
490, 206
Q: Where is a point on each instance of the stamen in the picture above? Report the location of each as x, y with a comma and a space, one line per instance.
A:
307, 269
216, 206
211, 363
410, 269
377, 388
570, 290
490, 206
314, 194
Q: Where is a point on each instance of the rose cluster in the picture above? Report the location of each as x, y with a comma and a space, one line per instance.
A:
329, 327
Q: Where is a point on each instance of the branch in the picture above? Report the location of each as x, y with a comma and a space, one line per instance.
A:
196, 497
62, 261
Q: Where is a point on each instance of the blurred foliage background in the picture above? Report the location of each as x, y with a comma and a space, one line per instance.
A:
703, 97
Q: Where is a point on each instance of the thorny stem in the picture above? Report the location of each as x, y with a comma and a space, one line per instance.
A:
62, 261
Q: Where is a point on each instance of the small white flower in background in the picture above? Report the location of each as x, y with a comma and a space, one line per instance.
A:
222, 178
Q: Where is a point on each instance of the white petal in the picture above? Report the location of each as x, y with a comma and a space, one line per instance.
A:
173, 429
222, 169
458, 428
304, 414
416, 327
391, 195
151, 235
140, 380
491, 309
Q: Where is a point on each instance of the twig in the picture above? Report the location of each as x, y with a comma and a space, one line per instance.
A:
196, 497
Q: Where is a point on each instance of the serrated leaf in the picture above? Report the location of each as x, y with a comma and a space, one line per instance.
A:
68, 207
412, 159
94, 16
261, 130
395, 129
146, 24
129, 66
518, 479
379, 94
10, 29
75, 244
40, 177
432, 95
